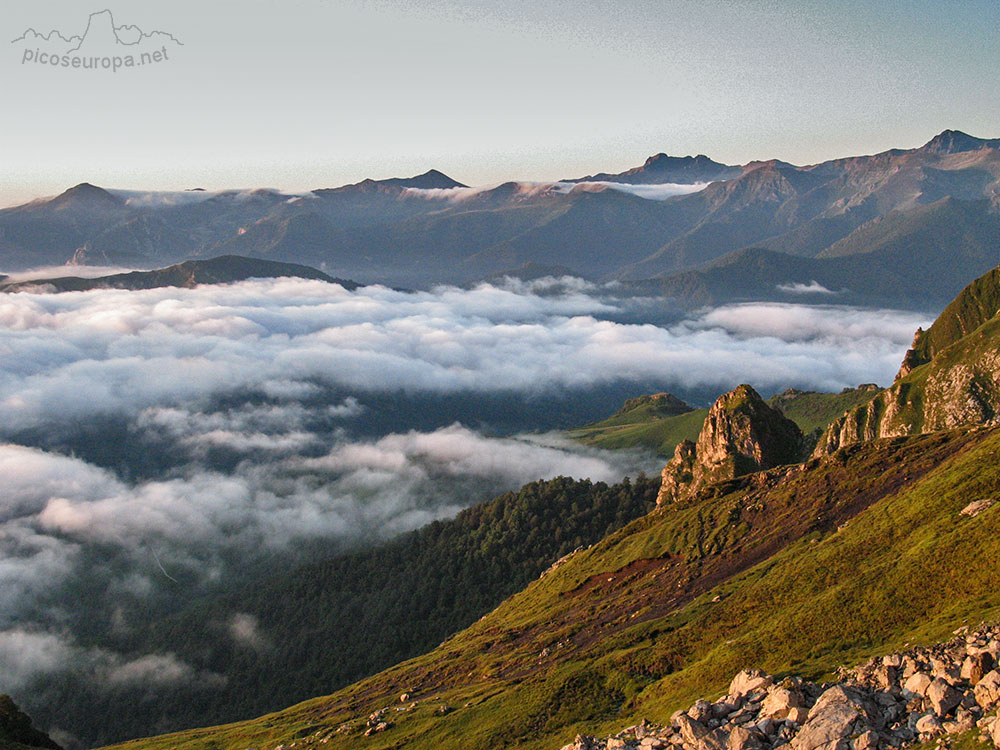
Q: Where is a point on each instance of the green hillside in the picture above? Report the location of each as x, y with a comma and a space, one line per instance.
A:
793, 569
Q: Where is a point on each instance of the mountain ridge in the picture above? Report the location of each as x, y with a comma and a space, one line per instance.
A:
429, 229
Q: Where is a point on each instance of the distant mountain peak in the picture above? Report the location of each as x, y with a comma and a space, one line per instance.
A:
955, 142
430, 180
663, 168
662, 159
86, 194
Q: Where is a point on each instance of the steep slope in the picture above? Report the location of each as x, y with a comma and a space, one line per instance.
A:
803, 567
920, 259
16, 730
640, 423
804, 210
222, 270
379, 605
800, 568
947, 380
977, 303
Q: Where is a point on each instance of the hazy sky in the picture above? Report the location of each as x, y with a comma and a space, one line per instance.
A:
300, 94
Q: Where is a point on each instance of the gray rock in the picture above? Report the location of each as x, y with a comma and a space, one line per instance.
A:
839, 713
942, 697
743, 739
917, 684
691, 730
865, 741
780, 701
717, 739
976, 666
987, 690
928, 725
701, 711
750, 680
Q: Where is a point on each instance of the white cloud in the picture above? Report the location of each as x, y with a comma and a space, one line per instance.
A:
656, 192
813, 287
71, 356
168, 362
27, 656
245, 630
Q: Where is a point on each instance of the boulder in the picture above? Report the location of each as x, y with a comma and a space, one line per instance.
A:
995, 732
987, 690
917, 684
691, 731
743, 739
748, 681
717, 739
701, 711
581, 743
741, 434
780, 701
942, 697
976, 666
928, 725
865, 741
839, 714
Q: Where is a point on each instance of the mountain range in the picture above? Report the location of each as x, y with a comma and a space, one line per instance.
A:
919, 223
222, 270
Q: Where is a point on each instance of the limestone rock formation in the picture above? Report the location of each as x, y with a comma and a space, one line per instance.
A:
889, 703
949, 378
741, 435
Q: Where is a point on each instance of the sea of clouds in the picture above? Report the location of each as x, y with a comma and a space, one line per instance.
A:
174, 367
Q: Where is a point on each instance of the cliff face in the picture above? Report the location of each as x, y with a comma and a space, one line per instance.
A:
949, 378
741, 435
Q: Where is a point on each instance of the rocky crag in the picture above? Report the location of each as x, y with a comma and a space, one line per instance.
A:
741, 435
949, 378
891, 702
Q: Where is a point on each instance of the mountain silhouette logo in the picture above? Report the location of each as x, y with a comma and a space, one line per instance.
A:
102, 44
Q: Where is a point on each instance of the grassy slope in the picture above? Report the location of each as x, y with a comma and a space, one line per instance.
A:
977, 303
814, 411
644, 427
660, 434
629, 628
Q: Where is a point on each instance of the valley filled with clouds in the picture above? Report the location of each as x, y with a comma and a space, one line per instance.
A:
162, 444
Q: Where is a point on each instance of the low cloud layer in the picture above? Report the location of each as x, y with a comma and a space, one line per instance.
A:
73, 355
267, 395
655, 192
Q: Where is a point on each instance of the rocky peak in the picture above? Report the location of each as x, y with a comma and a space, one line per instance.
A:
955, 141
741, 435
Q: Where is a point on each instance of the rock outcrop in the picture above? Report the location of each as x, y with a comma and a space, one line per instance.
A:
891, 702
950, 377
741, 435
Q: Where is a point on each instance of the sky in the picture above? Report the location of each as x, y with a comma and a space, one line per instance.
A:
303, 94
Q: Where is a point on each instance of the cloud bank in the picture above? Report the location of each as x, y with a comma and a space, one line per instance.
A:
258, 392
69, 356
